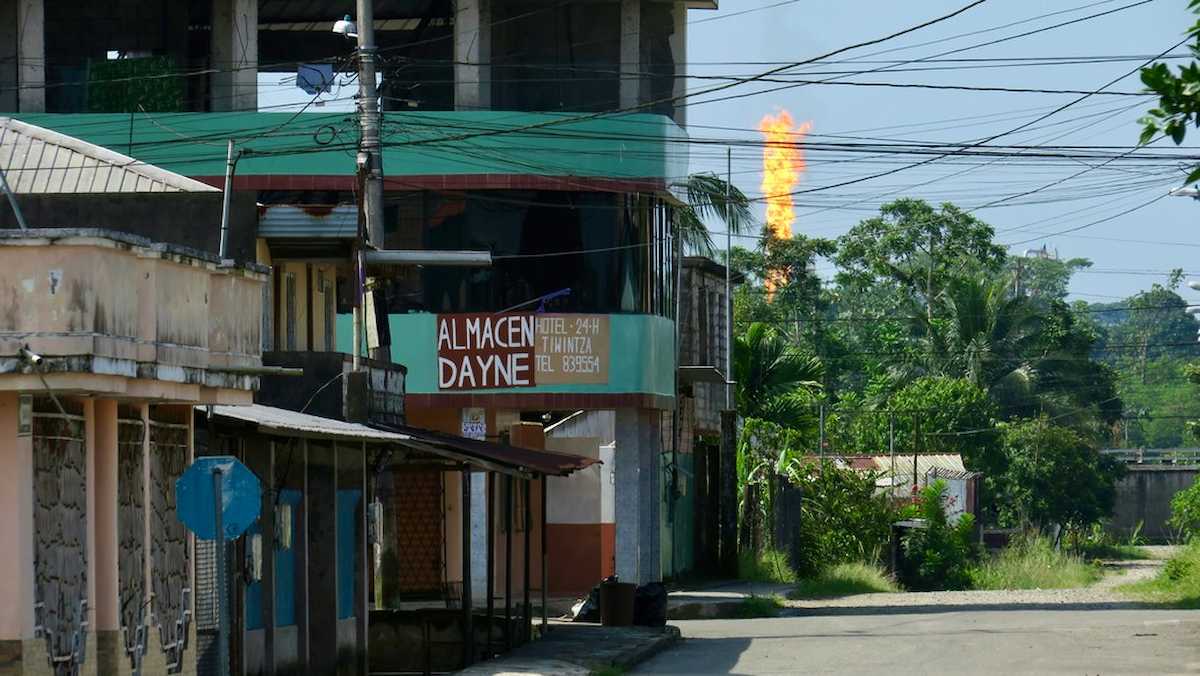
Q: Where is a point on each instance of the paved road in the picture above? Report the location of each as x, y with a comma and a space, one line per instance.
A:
937, 640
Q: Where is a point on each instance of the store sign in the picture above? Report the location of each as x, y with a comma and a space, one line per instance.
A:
571, 349
479, 351
474, 423
484, 351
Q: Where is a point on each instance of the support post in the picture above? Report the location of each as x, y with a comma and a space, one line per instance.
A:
545, 557
226, 200
508, 521
467, 603
234, 50
728, 501
222, 579
491, 559
526, 615
631, 53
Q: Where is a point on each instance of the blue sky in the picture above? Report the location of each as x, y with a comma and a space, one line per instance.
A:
1130, 252
807, 28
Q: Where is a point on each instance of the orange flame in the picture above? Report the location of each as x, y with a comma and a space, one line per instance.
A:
783, 161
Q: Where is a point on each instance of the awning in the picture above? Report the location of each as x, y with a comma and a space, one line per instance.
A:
484, 454
527, 459
700, 374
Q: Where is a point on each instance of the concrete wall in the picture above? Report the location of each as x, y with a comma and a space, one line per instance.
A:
1144, 496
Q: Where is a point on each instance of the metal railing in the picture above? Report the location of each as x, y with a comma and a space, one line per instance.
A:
1155, 456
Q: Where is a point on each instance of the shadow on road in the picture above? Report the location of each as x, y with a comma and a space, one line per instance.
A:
833, 611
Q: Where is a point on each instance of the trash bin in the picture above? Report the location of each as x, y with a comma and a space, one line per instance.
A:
616, 604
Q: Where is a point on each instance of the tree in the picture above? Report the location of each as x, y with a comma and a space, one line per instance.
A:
1043, 276
774, 382
709, 196
1054, 476
918, 248
1178, 97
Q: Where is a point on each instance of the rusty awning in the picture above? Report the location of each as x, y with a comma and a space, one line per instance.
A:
550, 463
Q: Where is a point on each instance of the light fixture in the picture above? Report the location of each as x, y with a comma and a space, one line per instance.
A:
29, 356
345, 26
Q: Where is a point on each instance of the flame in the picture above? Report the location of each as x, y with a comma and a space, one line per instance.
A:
783, 162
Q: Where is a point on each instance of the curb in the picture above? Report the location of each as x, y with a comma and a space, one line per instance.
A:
671, 636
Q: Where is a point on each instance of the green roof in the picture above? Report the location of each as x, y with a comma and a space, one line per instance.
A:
418, 143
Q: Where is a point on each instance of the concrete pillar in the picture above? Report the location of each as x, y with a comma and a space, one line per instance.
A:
638, 441
28, 36
678, 43
631, 52
472, 55
103, 539
235, 55
479, 550
16, 533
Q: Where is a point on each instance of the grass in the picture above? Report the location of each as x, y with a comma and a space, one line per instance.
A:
771, 566
609, 671
1032, 563
1176, 585
1114, 552
845, 579
758, 606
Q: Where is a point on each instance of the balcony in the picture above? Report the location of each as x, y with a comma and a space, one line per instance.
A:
330, 389
109, 304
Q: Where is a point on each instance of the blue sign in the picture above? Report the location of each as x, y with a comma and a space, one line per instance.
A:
241, 497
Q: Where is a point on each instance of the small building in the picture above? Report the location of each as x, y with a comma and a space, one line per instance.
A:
107, 342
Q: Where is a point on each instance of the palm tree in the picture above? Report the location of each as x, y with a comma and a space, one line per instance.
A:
773, 381
706, 197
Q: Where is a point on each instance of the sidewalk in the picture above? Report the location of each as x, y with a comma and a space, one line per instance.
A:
571, 649
718, 600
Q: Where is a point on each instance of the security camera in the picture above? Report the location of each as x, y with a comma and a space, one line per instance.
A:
29, 356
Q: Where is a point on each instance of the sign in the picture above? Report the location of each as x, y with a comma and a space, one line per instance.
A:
241, 497
474, 423
476, 351
485, 350
571, 349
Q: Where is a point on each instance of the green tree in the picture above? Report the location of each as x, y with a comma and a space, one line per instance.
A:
1054, 476
774, 382
1178, 97
918, 248
1043, 276
707, 195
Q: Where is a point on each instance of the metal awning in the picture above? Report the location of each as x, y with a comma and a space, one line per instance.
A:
700, 374
487, 455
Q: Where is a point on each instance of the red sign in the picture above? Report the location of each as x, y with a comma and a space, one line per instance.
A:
485, 351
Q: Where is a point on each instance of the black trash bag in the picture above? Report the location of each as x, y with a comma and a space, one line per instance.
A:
588, 610
650, 605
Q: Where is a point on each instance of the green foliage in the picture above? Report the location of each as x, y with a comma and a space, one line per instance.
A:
845, 579
758, 606
1185, 512
1033, 563
709, 196
842, 520
1093, 543
1053, 476
916, 247
774, 381
1039, 277
770, 566
1177, 585
1178, 97
134, 85
939, 555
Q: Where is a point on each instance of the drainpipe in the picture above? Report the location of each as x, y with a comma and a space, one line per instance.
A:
230, 164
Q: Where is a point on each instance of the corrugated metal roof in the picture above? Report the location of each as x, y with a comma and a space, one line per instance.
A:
36, 160
271, 419
285, 220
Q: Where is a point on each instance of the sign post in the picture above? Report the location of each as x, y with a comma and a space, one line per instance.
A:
218, 498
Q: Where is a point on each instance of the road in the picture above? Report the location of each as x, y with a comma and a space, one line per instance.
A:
1071, 639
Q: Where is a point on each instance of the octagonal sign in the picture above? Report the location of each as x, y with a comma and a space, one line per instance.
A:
241, 497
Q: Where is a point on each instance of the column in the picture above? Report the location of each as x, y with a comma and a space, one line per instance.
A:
631, 52
479, 535
22, 23
650, 477
678, 43
473, 55
627, 496
235, 55
16, 534
103, 540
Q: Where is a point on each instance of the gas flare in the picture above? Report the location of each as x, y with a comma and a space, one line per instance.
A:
783, 161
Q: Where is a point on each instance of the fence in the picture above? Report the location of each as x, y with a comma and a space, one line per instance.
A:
1155, 456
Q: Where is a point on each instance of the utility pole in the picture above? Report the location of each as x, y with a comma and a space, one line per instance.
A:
370, 162
728, 282
929, 284
1017, 281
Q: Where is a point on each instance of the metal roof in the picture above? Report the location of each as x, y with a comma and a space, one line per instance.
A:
287, 221
283, 421
36, 160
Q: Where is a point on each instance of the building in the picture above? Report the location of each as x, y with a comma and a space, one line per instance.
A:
107, 341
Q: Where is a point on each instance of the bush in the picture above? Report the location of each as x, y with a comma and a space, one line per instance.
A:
1033, 563
1178, 584
771, 566
842, 520
1185, 511
758, 606
845, 579
938, 556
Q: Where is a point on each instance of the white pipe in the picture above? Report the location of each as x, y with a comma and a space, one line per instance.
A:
229, 163
442, 258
